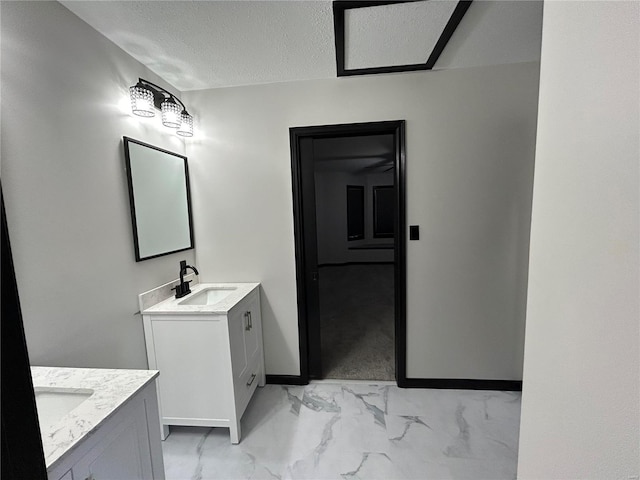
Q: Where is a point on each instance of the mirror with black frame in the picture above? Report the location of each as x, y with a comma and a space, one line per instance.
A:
160, 200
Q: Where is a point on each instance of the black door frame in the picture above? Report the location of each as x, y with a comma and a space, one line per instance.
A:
22, 453
397, 128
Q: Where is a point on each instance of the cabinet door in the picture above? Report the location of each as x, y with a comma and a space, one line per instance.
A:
238, 325
67, 476
245, 336
192, 357
122, 454
252, 340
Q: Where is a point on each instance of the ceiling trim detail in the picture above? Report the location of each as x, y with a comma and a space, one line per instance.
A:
339, 8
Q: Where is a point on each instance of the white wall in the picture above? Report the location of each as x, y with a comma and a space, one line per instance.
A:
64, 112
470, 148
580, 406
331, 218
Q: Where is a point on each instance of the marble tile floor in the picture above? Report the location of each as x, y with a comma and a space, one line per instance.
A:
356, 431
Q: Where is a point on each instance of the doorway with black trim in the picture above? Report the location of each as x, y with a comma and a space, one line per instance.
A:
348, 183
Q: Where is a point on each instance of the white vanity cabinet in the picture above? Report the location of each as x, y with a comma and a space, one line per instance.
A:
125, 446
210, 362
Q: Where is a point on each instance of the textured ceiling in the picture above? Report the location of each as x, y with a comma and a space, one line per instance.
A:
196, 45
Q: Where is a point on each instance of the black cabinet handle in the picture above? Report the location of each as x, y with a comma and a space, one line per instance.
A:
253, 377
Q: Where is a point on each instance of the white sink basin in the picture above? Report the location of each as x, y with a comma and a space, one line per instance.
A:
208, 296
55, 403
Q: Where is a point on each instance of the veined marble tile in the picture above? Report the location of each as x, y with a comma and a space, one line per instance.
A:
343, 431
366, 399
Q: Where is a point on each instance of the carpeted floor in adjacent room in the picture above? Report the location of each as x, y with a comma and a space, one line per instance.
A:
357, 322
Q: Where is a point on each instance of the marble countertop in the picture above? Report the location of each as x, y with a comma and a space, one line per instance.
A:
172, 305
111, 389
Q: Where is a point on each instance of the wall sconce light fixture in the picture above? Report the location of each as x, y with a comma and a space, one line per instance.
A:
145, 96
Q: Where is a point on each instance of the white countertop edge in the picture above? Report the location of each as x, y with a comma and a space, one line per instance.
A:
112, 389
171, 305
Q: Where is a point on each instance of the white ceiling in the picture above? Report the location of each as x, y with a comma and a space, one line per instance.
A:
207, 44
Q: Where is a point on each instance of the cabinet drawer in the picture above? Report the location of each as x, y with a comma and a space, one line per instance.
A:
246, 386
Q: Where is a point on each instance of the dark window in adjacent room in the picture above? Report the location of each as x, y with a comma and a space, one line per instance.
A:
383, 208
355, 212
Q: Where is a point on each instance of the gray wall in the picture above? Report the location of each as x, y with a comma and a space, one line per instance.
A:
581, 370
470, 150
65, 109
470, 139
331, 218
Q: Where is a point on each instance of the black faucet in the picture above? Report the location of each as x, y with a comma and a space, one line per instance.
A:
183, 288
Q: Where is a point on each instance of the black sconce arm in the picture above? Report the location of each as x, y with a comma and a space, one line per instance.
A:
159, 94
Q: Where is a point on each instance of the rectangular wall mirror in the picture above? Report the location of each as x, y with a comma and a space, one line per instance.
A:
160, 200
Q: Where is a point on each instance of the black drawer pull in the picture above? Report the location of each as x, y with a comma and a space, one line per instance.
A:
253, 377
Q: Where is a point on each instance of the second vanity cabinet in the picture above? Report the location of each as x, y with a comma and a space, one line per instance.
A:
210, 363
122, 452
112, 433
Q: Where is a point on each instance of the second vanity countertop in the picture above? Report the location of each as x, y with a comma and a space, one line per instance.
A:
172, 305
110, 390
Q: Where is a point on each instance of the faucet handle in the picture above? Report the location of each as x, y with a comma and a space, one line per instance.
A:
182, 289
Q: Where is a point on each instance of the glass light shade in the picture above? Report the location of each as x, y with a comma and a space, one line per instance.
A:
141, 101
171, 113
186, 125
